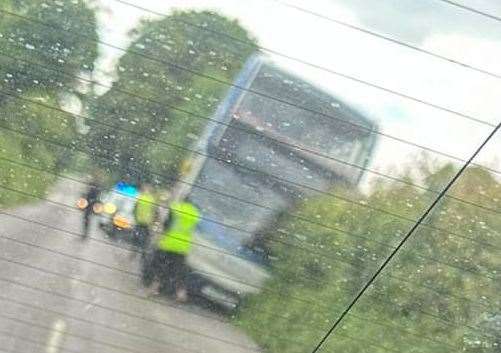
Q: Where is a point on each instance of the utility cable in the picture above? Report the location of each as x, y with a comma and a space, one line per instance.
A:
279, 179
318, 15
286, 233
295, 298
264, 95
261, 135
402, 243
472, 9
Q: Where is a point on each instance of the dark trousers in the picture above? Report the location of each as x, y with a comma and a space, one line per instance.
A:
86, 220
169, 268
141, 236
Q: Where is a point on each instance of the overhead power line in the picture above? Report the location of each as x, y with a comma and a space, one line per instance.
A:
324, 17
378, 298
42, 270
385, 264
291, 145
439, 197
337, 230
280, 179
261, 94
125, 313
154, 340
79, 336
471, 9
316, 253
245, 130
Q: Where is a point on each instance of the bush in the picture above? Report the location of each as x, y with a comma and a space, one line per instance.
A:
438, 286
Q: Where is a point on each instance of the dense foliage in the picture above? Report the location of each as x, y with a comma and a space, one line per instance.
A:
440, 294
30, 92
169, 83
443, 284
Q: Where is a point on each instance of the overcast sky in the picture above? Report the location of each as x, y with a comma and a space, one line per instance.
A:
429, 24
415, 21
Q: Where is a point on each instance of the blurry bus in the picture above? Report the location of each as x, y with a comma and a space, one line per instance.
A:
274, 140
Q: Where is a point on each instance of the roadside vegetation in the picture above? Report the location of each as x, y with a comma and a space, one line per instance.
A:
444, 283
430, 299
142, 128
169, 84
26, 90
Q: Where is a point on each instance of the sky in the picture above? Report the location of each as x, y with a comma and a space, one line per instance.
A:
414, 21
429, 24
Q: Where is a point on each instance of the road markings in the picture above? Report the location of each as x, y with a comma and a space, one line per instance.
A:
56, 336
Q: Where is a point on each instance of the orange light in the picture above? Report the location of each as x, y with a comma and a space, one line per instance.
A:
121, 222
82, 203
109, 208
97, 208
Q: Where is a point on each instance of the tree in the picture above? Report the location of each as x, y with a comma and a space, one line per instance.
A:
168, 99
60, 35
24, 152
27, 90
438, 285
488, 338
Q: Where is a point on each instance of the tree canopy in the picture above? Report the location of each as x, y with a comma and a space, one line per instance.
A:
44, 45
443, 283
169, 84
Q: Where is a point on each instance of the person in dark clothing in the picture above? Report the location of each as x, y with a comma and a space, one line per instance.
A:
91, 197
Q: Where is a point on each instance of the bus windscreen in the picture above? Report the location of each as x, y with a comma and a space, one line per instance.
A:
322, 124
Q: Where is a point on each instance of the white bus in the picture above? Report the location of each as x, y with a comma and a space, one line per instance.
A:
274, 140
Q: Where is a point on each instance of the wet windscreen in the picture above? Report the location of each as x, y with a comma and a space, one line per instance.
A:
233, 177
275, 160
336, 131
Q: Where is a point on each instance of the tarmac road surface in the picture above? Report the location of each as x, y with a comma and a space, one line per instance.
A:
59, 293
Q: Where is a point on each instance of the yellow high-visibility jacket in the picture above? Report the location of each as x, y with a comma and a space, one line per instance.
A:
178, 238
144, 212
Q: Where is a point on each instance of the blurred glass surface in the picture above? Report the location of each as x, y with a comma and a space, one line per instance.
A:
309, 149
444, 308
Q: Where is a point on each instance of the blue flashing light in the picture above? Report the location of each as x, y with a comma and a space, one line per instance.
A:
126, 189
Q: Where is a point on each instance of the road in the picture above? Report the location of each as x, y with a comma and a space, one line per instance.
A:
60, 293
